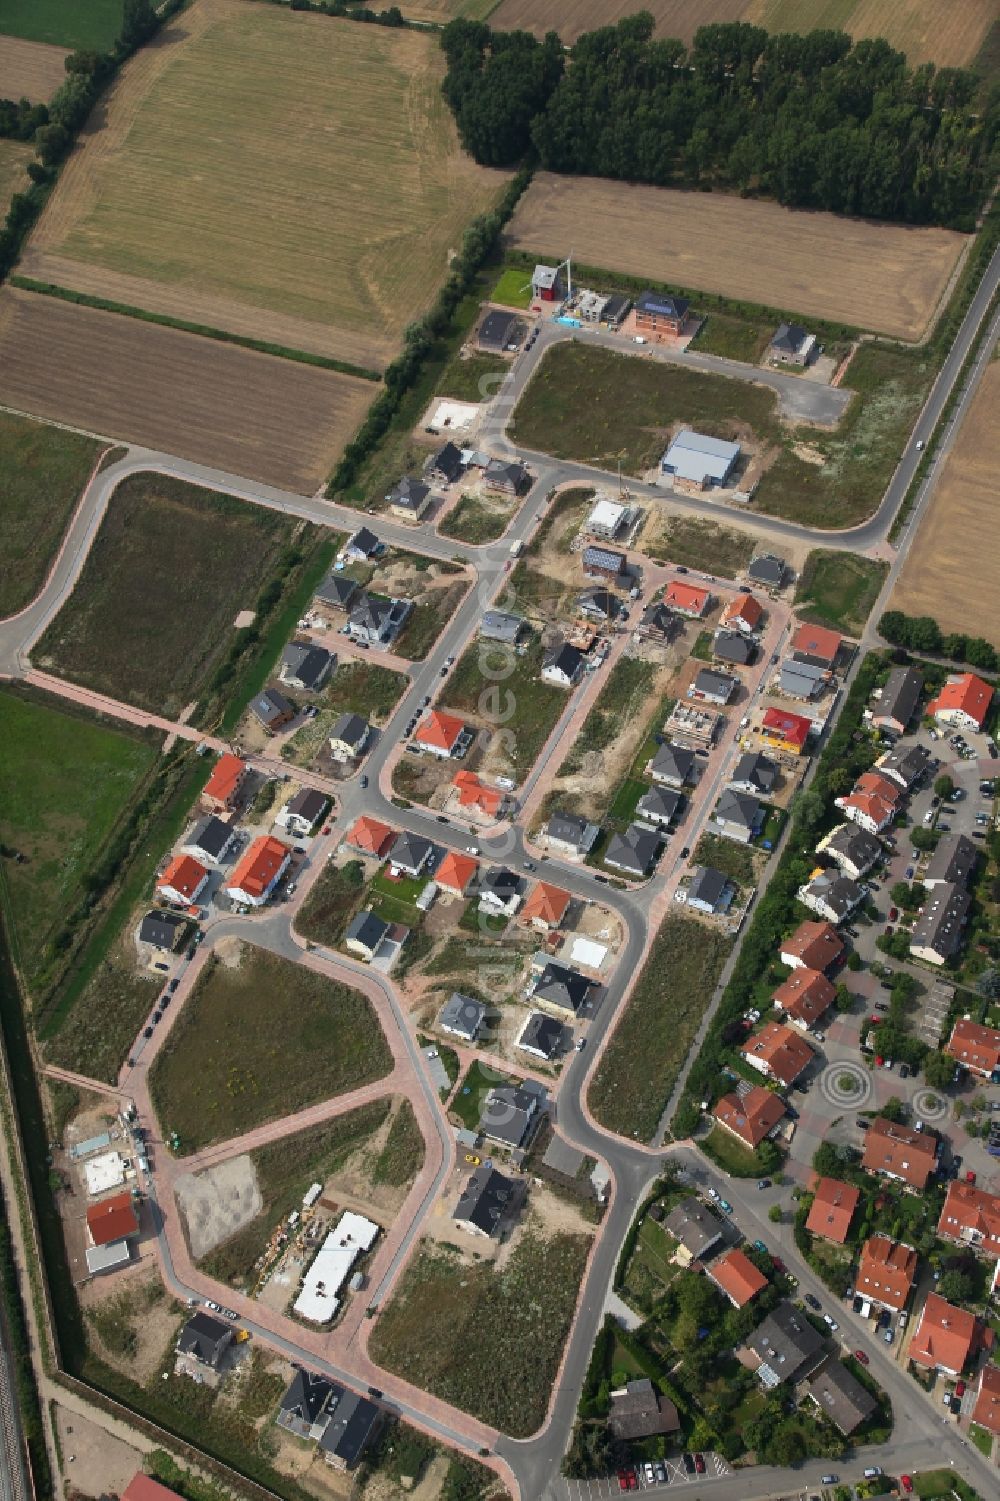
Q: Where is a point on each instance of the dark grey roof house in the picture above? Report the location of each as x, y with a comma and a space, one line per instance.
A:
500, 889
378, 620
953, 862
486, 1201
709, 891
542, 1035
633, 852
410, 852
337, 590
801, 679
615, 309
940, 927
363, 545
638, 1411
350, 735
303, 812
308, 1404
509, 1115
562, 665
733, 646
660, 805
205, 1339
305, 666
447, 463
832, 895
713, 687
512, 479
754, 774
905, 764
672, 765
768, 569
272, 709
572, 833
500, 625
462, 1017
853, 849
791, 345
210, 839
366, 933
162, 929
900, 697
560, 986
352, 1428
738, 817
694, 1226
786, 1345
840, 1396
410, 496
499, 329
658, 623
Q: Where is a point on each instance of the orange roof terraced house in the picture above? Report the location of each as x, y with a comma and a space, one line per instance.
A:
976, 1047
751, 1117
785, 732
736, 1276
744, 612
545, 907
832, 1209
886, 1272
970, 1216
813, 945
370, 837
472, 793
778, 1052
224, 784
687, 599
112, 1219
455, 872
817, 643
804, 996
946, 1337
441, 734
987, 1409
259, 872
182, 881
964, 701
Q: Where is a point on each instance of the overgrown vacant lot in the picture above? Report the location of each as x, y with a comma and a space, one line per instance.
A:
261, 1039
153, 610
530, 707
488, 1340
879, 276
65, 780
838, 589
720, 550
216, 404
294, 178
640, 1065
952, 570
42, 473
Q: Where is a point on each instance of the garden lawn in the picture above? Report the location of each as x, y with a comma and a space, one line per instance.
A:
261, 1040
734, 860
513, 289
728, 1154
838, 589
43, 471
485, 1338
470, 1097
285, 1169
153, 611
647, 1049
59, 808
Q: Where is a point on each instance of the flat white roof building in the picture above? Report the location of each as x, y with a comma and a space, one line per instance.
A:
104, 1172
588, 953
318, 1301
701, 460
605, 519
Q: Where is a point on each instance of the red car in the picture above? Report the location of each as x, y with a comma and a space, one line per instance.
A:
699, 1463
959, 1388
860, 1355
907, 1484
893, 914
970, 1176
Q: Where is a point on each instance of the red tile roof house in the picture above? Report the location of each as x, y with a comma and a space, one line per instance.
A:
145, 1488
971, 1217
975, 1046
817, 644
887, 1270
832, 1209
443, 735
987, 1409
872, 802
455, 872
736, 1276
751, 1117
813, 945
964, 702
112, 1219
901, 1154
744, 613
223, 786
258, 873
472, 793
369, 837
804, 996
778, 1053
182, 881
546, 907
686, 599
946, 1337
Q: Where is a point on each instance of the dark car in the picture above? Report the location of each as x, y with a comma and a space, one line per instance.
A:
173, 986
374, 1391
685, 852
192, 950
147, 1031
813, 1301
689, 1463
364, 782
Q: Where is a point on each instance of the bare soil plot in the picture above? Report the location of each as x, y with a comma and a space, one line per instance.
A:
949, 572
30, 70
884, 277
290, 177
216, 404
948, 35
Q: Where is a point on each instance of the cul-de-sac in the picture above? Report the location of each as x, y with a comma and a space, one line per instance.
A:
499, 750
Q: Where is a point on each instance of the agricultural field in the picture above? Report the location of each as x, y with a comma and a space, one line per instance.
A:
43, 471
948, 569
838, 589
882, 277
63, 23
153, 610
216, 404
323, 214
303, 1038
30, 70
58, 810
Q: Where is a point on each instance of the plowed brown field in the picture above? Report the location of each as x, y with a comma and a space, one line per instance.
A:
876, 276
290, 177
30, 70
952, 571
212, 403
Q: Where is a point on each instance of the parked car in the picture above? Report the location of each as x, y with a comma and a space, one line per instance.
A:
699, 1463
907, 1484
831, 1323
813, 1301
764, 1183
959, 1388
893, 913
689, 1463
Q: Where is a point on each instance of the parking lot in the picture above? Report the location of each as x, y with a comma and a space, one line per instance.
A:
675, 1474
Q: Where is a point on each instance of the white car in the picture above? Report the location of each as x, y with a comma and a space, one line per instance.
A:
713, 1193
831, 1322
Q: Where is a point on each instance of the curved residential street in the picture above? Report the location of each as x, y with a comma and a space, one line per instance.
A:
531, 1467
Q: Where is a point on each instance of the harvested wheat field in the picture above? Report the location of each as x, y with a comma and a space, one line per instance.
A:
30, 70
949, 573
216, 404
882, 277
286, 176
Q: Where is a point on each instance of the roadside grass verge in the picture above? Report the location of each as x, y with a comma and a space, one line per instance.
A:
285, 1170
302, 1038
44, 470
720, 550
152, 613
487, 1339
838, 589
326, 913
488, 672
647, 1049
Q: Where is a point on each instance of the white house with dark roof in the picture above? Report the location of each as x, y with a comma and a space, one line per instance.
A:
562, 666
211, 839
792, 345
570, 834
305, 666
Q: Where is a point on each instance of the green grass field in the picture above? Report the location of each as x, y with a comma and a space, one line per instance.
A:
64, 23
640, 1065
837, 589
733, 338
258, 1041
42, 473
513, 288
153, 611
65, 781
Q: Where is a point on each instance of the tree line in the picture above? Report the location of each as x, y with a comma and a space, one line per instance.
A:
921, 633
814, 121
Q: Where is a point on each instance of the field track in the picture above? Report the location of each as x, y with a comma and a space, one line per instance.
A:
289, 177
30, 70
883, 277
216, 404
949, 573
927, 31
